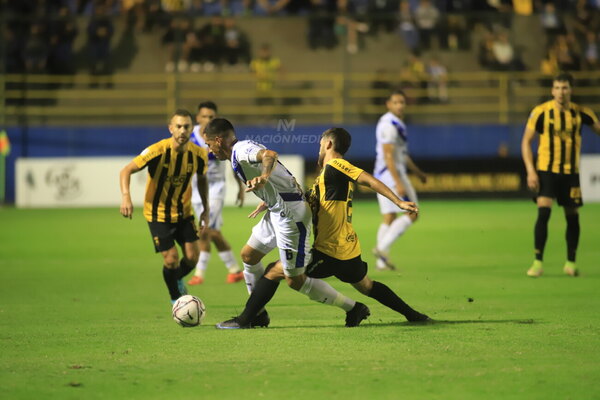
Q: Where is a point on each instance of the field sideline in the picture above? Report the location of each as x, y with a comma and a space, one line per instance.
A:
84, 314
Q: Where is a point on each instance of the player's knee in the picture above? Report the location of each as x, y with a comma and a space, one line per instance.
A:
250, 256
295, 282
274, 272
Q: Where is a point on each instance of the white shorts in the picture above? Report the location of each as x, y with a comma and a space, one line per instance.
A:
385, 205
291, 235
216, 199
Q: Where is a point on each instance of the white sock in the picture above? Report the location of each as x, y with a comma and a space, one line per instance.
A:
396, 229
252, 273
229, 261
383, 228
322, 292
202, 263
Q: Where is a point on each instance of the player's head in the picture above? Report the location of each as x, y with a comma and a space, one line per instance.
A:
220, 136
207, 111
337, 140
181, 125
396, 103
562, 86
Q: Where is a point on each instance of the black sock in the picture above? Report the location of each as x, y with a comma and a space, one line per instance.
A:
387, 297
261, 294
170, 277
541, 231
184, 268
572, 236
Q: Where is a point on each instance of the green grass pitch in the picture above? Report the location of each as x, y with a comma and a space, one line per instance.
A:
84, 314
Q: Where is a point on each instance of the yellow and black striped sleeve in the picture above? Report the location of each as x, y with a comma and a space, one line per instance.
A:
588, 117
536, 119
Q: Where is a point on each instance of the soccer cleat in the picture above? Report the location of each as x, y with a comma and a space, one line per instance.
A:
232, 323
236, 277
536, 269
383, 259
570, 269
418, 317
357, 314
261, 320
196, 280
182, 289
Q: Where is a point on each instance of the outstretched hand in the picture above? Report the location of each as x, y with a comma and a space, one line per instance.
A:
256, 183
409, 206
259, 209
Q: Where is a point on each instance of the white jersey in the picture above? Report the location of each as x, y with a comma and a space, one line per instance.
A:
215, 172
280, 187
391, 129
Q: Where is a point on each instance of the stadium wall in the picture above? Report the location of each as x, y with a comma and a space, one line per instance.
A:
434, 145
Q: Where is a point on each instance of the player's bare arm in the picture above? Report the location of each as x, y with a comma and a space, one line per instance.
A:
368, 180
268, 159
412, 166
390, 163
239, 201
125, 180
533, 182
203, 191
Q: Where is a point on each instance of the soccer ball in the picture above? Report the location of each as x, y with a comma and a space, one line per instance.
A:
188, 311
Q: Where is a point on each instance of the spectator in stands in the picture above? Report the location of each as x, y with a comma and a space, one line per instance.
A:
486, 56
100, 31
591, 52
567, 55
407, 27
348, 26
282, 7
437, 85
584, 20
212, 37
551, 22
505, 56
321, 22
237, 46
63, 31
179, 33
427, 17
266, 68
35, 53
382, 15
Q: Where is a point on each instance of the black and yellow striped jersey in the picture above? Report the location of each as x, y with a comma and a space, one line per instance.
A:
331, 203
168, 188
560, 135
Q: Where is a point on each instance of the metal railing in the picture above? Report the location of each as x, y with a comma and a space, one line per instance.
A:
479, 97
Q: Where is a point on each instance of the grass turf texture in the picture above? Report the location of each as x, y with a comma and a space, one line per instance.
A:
84, 314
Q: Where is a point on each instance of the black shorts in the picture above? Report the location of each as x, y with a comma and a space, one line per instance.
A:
164, 234
323, 266
564, 188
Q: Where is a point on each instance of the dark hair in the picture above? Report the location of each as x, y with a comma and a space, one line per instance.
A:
218, 127
395, 92
340, 137
564, 77
208, 104
180, 112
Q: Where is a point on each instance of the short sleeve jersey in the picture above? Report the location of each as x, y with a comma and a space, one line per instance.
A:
168, 189
559, 144
331, 203
281, 184
391, 130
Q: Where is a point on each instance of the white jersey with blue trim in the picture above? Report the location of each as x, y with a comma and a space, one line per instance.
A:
280, 187
391, 129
